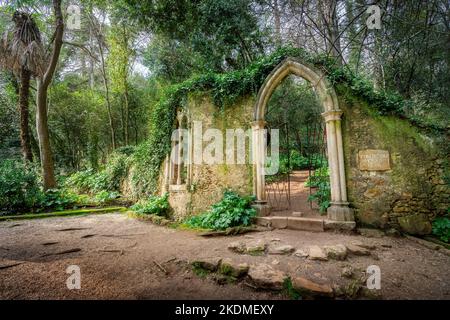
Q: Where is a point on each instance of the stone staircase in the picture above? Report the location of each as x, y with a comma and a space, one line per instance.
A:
305, 224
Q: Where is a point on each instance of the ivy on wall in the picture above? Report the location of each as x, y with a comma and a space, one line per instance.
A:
226, 88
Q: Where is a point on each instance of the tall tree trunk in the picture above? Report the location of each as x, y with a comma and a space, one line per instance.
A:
277, 22
107, 93
43, 83
24, 94
127, 113
45, 150
327, 10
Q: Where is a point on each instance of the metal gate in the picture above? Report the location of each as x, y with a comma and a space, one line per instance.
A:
317, 153
278, 187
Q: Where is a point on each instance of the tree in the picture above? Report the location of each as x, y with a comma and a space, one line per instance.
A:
23, 54
43, 82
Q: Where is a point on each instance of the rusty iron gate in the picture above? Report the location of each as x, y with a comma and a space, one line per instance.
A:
317, 153
278, 187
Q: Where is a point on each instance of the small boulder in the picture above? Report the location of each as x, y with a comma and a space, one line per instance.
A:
357, 250
210, 264
316, 253
301, 253
347, 272
237, 246
263, 276
256, 247
336, 252
284, 249
309, 288
233, 269
416, 224
364, 245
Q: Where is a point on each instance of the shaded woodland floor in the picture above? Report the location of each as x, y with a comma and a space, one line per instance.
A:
119, 259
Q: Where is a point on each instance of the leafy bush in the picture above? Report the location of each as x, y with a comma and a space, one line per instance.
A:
320, 180
57, 199
233, 210
154, 205
441, 229
106, 196
19, 186
108, 179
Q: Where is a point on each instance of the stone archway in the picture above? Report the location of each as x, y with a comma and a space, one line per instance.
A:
339, 209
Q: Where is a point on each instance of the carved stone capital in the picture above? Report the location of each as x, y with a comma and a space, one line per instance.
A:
334, 115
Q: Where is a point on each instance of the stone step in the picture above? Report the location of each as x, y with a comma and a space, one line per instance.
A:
295, 223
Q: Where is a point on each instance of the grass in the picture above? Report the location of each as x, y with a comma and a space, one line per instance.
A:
65, 213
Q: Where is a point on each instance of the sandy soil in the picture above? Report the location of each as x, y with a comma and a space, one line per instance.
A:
117, 259
298, 198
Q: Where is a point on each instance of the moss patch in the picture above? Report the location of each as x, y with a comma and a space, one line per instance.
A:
62, 213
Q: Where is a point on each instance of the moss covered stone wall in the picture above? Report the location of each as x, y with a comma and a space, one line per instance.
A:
414, 191
407, 196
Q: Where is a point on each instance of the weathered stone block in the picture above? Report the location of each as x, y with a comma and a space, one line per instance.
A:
310, 288
417, 224
264, 276
307, 224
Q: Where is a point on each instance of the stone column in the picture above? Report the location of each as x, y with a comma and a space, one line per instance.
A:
190, 156
172, 166
180, 148
258, 159
339, 209
166, 184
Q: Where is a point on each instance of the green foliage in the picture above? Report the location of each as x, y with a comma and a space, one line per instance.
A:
232, 211
106, 180
441, 229
321, 181
57, 199
289, 290
19, 186
154, 205
20, 190
106, 196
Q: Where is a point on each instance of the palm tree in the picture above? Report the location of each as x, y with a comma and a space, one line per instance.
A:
21, 52
26, 50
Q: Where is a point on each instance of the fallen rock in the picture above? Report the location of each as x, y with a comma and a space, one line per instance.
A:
416, 224
301, 254
238, 247
336, 252
357, 250
309, 288
347, 272
210, 264
371, 233
316, 253
233, 269
256, 248
364, 245
284, 249
392, 232
263, 276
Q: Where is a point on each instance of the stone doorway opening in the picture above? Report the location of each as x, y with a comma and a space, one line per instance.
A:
338, 210
301, 187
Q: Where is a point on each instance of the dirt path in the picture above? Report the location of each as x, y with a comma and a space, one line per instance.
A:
299, 197
117, 258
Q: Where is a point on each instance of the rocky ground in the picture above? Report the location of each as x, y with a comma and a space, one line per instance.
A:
124, 258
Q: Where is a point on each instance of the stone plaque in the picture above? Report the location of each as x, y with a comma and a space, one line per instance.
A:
374, 160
